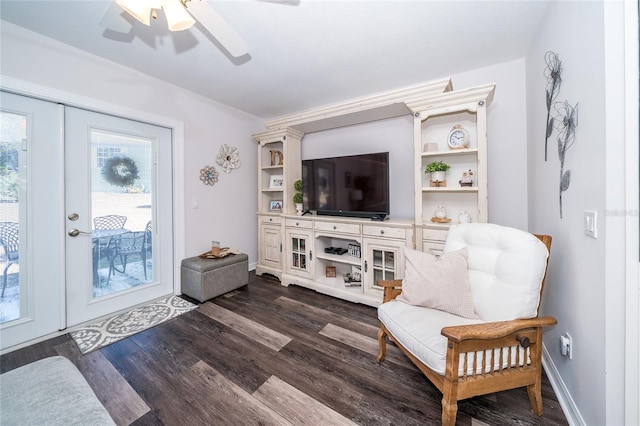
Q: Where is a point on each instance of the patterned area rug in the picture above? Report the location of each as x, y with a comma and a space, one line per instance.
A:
110, 330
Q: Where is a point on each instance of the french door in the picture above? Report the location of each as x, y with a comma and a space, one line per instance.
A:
31, 231
89, 197
118, 213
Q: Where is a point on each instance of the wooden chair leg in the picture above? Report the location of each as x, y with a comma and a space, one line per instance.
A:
382, 344
449, 412
535, 396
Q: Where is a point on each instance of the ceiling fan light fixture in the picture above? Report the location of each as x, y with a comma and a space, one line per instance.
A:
139, 9
178, 18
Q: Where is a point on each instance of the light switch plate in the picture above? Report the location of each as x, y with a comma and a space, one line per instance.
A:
591, 224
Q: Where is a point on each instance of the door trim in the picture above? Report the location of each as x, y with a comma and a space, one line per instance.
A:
45, 93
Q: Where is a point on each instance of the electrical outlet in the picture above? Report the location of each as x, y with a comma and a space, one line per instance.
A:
566, 345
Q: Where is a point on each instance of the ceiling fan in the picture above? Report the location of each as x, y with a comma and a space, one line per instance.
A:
180, 16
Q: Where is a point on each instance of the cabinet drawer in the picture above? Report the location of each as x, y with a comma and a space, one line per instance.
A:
383, 231
435, 248
434, 234
298, 223
347, 228
274, 220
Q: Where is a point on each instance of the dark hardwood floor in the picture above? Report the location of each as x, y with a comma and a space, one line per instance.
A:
268, 354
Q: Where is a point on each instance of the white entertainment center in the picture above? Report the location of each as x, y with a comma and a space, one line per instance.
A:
308, 250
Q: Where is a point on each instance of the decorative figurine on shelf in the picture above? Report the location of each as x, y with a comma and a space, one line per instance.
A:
467, 178
276, 157
440, 215
464, 217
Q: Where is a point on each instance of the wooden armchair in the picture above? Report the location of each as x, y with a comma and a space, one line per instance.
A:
465, 358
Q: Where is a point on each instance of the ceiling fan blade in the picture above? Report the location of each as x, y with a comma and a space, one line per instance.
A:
114, 20
218, 27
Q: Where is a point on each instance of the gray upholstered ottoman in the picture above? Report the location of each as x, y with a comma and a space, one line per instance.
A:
204, 279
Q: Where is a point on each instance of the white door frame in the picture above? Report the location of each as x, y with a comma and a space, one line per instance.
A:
632, 203
177, 128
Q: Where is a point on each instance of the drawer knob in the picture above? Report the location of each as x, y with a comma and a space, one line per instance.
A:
270, 219
297, 223
334, 227
382, 231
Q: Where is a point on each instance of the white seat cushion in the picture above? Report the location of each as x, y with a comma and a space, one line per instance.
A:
418, 329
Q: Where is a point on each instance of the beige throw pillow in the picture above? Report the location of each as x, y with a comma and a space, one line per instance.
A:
438, 282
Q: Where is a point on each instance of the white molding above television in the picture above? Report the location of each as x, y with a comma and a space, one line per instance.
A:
361, 110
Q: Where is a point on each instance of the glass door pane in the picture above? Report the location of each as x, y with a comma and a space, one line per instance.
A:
13, 137
383, 265
121, 210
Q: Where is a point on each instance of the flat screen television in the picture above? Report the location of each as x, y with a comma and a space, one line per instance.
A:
353, 185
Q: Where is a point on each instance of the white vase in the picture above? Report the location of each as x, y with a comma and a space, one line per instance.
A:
438, 176
299, 209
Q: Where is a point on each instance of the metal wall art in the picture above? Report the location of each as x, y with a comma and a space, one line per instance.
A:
566, 123
564, 119
228, 158
553, 73
209, 175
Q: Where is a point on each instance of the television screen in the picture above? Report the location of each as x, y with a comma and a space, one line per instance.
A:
354, 185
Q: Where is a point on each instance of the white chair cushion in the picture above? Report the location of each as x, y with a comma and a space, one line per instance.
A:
506, 268
418, 329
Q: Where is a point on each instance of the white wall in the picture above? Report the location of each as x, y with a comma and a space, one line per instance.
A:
227, 211
579, 287
507, 145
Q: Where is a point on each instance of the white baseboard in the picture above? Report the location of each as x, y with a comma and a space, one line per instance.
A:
567, 403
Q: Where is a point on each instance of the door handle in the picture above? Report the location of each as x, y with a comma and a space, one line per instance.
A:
73, 232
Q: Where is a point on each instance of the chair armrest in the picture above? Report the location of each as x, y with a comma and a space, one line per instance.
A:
494, 330
392, 289
390, 283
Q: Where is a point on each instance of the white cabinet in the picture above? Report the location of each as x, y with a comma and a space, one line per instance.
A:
345, 257
279, 165
308, 259
269, 245
433, 121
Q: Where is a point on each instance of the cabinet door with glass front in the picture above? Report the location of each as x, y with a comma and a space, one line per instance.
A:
299, 253
383, 261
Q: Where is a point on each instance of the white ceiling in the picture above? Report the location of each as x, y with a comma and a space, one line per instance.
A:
304, 53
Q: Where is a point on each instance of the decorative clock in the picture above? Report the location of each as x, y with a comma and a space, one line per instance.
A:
458, 137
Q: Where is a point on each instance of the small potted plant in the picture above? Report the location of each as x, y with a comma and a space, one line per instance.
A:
297, 196
438, 170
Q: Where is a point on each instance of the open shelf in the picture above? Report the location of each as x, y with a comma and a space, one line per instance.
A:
449, 189
451, 152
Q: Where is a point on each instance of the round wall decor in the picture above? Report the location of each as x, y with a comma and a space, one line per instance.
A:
209, 175
228, 158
